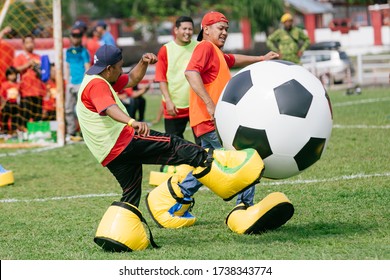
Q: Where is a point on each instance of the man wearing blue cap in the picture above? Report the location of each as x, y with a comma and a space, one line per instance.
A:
118, 141
77, 62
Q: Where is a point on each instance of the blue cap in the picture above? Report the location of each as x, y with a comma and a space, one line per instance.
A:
101, 23
105, 56
79, 24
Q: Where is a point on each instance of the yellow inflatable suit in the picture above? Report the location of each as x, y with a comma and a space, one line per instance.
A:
270, 213
231, 172
226, 173
122, 229
167, 205
167, 171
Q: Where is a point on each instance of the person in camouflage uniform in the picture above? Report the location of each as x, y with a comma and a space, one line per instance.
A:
289, 41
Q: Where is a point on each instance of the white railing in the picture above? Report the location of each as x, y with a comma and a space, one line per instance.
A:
373, 69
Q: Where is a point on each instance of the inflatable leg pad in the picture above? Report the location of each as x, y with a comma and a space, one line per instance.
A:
167, 206
167, 171
121, 229
231, 172
269, 214
6, 178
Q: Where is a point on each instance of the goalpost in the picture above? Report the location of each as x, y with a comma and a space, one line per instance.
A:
57, 16
42, 19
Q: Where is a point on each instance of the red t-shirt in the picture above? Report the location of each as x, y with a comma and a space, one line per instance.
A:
205, 61
162, 65
30, 83
120, 84
97, 97
6, 58
49, 101
9, 91
92, 45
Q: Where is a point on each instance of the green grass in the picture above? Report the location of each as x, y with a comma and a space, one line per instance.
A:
341, 202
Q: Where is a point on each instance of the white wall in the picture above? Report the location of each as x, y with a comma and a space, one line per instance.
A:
355, 42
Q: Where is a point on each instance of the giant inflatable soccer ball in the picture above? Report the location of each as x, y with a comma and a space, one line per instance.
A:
281, 110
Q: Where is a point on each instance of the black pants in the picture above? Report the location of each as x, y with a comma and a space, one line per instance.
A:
157, 148
10, 113
177, 127
137, 105
31, 108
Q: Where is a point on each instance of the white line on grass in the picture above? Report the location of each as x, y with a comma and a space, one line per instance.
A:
273, 183
363, 101
341, 178
362, 126
38, 150
11, 200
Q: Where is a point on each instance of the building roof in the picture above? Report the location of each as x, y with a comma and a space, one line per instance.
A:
310, 6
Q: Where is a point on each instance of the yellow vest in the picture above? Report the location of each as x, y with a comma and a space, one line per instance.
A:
100, 133
198, 110
177, 59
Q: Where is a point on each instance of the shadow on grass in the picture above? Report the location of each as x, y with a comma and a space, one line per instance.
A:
206, 233
299, 233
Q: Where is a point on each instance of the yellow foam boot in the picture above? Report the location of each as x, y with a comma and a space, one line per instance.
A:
231, 172
270, 213
6, 177
122, 229
157, 178
168, 207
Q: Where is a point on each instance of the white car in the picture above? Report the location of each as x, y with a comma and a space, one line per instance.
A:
330, 66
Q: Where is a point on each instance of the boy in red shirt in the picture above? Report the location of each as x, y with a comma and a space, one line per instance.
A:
9, 95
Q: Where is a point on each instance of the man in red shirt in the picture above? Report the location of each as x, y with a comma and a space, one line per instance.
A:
173, 58
92, 43
32, 89
208, 73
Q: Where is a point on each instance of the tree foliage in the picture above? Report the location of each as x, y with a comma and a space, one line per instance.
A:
261, 13
22, 20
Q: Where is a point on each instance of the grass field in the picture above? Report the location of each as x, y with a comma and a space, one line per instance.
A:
341, 203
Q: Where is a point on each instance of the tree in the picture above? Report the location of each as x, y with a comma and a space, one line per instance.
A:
22, 20
262, 14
